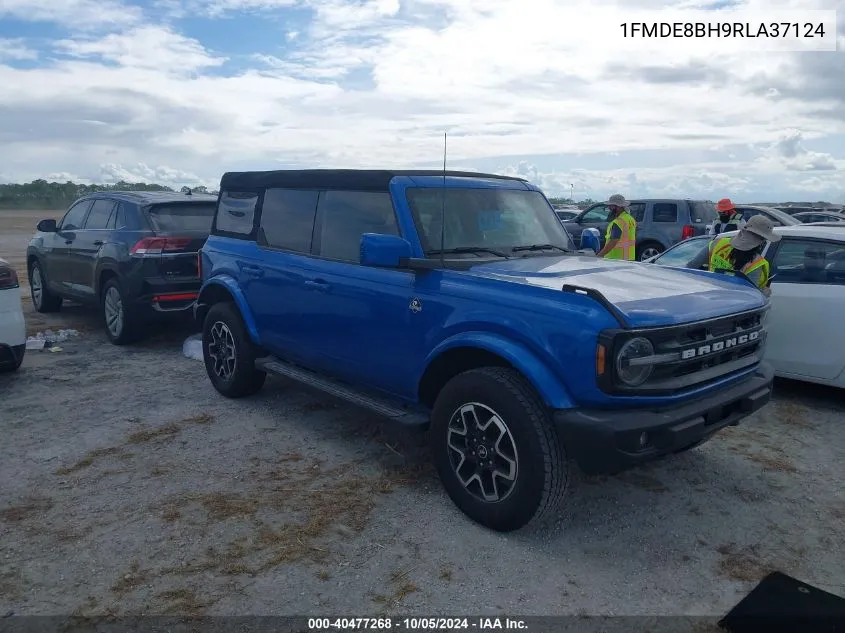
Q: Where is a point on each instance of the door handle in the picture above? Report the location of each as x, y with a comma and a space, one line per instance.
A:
68, 242
98, 242
319, 285
253, 271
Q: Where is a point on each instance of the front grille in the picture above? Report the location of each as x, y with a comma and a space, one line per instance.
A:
694, 354
734, 338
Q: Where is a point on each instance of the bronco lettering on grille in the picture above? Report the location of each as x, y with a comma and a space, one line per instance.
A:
720, 346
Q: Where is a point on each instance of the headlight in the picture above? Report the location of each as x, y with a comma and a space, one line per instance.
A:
634, 375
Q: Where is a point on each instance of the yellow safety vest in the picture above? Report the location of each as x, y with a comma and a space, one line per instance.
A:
757, 270
626, 247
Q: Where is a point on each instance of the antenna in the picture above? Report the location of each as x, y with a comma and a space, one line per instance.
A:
443, 205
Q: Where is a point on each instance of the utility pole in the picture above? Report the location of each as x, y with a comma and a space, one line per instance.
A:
571, 189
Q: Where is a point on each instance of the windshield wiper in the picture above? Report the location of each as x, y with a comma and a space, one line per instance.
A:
539, 247
468, 249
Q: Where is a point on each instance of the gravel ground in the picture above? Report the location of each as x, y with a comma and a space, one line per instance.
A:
130, 486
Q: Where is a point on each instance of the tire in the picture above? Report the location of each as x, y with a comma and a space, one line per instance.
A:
8, 369
121, 326
541, 472
43, 300
235, 376
648, 249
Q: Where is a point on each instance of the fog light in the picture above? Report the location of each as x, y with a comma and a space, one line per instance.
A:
643, 440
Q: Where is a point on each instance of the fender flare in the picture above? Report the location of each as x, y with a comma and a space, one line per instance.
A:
231, 286
550, 387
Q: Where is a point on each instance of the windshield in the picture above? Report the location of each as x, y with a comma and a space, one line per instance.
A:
685, 254
492, 219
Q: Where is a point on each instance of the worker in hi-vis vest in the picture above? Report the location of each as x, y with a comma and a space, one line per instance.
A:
621, 235
729, 218
743, 251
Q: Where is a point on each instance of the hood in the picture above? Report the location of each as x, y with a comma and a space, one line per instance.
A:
645, 294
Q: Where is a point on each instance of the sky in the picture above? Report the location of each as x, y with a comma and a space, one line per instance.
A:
179, 91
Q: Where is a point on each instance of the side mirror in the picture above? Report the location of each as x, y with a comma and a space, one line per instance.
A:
590, 240
47, 226
384, 251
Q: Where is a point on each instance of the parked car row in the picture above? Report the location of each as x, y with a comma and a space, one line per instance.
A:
451, 302
663, 223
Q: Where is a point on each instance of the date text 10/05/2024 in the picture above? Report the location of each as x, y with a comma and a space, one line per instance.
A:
417, 624
723, 29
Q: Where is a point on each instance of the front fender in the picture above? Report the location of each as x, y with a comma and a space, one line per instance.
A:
231, 286
550, 388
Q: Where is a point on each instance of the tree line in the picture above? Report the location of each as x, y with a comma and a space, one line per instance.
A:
43, 195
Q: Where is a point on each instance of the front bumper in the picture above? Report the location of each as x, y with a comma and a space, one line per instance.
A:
11, 355
604, 442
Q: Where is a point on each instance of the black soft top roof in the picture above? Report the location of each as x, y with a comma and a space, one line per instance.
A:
347, 179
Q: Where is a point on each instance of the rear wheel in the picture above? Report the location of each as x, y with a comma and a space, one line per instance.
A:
42, 299
121, 324
496, 450
229, 354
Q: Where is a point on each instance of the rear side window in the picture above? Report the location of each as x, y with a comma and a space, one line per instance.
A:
236, 212
183, 216
118, 217
637, 211
702, 212
287, 219
346, 215
664, 212
100, 215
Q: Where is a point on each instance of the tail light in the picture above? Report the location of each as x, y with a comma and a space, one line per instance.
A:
8, 277
688, 232
159, 245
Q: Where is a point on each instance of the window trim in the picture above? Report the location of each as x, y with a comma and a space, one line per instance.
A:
320, 217
248, 237
774, 250
89, 201
261, 243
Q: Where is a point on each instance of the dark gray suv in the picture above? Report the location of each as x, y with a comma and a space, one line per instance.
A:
660, 223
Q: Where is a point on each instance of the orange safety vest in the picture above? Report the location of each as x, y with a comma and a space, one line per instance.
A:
626, 246
757, 270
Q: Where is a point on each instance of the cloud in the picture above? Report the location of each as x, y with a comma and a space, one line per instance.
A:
75, 13
375, 83
16, 49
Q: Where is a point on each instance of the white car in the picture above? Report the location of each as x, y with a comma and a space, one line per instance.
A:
806, 339
12, 326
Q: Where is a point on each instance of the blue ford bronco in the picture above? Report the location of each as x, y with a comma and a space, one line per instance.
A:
456, 303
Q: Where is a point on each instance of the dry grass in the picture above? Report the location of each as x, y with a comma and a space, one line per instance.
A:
778, 463
31, 507
306, 508
148, 435
87, 461
446, 574
182, 602
199, 418
133, 579
744, 564
794, 415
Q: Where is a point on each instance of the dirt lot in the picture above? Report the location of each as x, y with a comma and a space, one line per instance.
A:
131, 486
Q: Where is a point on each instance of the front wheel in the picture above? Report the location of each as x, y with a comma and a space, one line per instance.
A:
43, 300
496, 450
229, 354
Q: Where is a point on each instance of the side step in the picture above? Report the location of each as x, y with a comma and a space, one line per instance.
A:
385, 407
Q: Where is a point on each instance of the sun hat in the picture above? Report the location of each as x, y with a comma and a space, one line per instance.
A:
757, 230
617, 200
